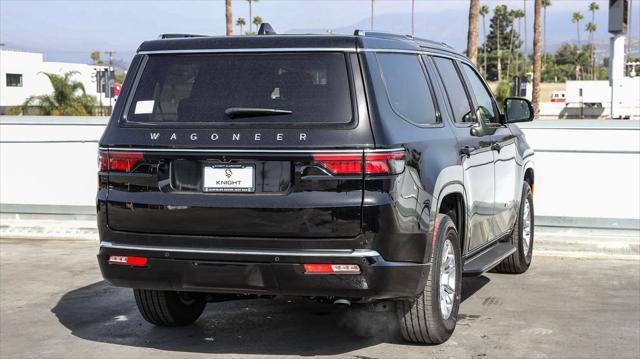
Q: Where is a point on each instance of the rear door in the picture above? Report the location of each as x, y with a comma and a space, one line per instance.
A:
476, 156
251, 144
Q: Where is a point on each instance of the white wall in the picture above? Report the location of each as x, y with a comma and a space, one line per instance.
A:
587, 170
34, 83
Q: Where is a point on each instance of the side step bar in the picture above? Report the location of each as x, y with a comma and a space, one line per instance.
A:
487, 259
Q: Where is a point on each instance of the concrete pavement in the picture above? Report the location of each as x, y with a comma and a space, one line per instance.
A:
54, 304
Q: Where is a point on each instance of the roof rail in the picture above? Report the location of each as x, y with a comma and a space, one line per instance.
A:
178, 36
388, 35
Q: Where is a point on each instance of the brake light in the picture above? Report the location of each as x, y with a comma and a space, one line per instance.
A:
327, 268
384, 163
340, 163
372, 163
128, 260
119, 161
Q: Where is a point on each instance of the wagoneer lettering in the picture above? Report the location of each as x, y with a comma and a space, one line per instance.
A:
372, 168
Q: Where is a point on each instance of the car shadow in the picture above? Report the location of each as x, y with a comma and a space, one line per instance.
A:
283, 326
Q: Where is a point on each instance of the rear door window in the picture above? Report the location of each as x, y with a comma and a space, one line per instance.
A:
407, 88
240, 88
455, 90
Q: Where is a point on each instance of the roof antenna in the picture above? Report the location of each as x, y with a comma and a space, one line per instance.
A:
266, 29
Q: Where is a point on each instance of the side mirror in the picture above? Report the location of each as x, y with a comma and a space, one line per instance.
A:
518, 110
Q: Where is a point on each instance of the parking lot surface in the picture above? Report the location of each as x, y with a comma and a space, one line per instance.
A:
54, 304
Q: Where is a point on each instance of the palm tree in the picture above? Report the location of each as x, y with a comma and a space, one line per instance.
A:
591, 28
537, 55
257, 21
472, 31
484, 10
241, 22
228, 13
251, 12
593, 7
517, 14
68, 98
372, 3
96, 57
545, 4
526, 38
576, 18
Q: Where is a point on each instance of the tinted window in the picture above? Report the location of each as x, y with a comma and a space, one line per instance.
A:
199, 88
483, 97
407, 87
455, 90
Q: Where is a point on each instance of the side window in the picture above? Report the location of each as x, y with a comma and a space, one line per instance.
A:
407, 87
486, 109
455, 90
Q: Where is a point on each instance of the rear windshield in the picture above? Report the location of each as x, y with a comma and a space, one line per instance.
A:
262, 88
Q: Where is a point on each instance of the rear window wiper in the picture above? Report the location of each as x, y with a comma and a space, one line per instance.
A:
233, 112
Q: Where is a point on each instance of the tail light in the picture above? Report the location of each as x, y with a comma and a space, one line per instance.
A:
119, 161
371, 163
128, 260
328, 268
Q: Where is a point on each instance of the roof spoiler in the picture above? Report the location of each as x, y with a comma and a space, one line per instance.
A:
177, 36
266, 29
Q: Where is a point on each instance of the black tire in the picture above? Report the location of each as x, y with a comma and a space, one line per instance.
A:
420, 319
169, 308
520, 260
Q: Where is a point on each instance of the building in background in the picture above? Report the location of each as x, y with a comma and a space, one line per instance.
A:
21, 76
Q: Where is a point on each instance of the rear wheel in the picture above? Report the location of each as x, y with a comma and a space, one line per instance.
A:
431, 317
522, 237
169, 308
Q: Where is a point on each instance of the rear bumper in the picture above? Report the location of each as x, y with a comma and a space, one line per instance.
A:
268, 272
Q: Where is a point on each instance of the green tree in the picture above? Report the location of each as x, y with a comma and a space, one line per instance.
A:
96, 57
591, 28
545, 4
484, 10
241, 22
516, 14
498, 40
257, 21
251, 12
576, 18
68, 98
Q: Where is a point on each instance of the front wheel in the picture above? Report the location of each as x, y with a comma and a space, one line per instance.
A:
431, 317
522, 237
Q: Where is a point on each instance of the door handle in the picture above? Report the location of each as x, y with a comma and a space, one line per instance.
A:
467, 150
496, 147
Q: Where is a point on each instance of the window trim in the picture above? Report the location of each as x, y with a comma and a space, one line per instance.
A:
6, 79
448, 97
436, 107
123, 122
496, 108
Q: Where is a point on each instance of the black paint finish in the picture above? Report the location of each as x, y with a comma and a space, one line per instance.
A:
298, 205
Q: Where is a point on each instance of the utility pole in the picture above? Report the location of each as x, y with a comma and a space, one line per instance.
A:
526, 44
413, 17
618, 22
110, 80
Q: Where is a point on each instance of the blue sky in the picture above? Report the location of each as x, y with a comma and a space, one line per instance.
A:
69, 30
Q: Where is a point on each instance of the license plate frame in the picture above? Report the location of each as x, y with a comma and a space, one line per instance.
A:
229, 178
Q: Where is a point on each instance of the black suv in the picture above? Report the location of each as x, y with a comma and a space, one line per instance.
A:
355, 169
